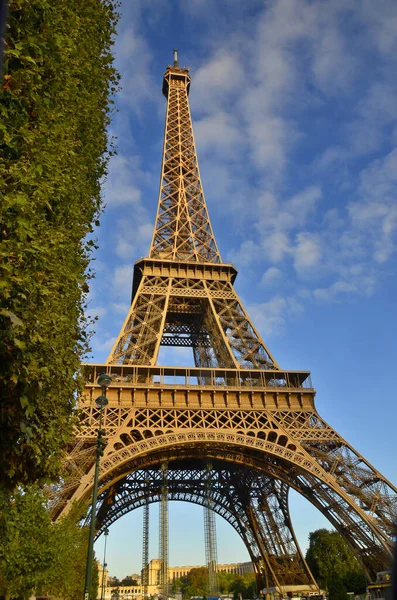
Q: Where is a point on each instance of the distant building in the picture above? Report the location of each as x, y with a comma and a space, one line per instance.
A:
236, 568
135, 592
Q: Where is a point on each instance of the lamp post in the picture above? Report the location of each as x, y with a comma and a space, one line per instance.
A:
105, 533
104, 381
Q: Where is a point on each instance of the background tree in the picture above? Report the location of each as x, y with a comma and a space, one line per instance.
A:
334, 565
129, 581
235, 584
225, 581
177, 585
244, 585
54, 109
196, 583
37, 555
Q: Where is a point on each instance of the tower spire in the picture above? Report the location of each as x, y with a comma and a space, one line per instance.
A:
183, 229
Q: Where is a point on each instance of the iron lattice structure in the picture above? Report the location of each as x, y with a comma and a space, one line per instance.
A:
145, 548
256, 423
211, 550
163, 531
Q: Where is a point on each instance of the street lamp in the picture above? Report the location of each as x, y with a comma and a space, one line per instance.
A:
104, 381
105, 533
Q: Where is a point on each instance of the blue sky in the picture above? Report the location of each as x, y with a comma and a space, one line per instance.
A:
295, 118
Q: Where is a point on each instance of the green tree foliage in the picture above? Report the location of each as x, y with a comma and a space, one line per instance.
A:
66, 576
334, 565
37, 555
26, 551
225, 581
177, 585
237, 584
129, 581
196, 584
244, 585
55, 103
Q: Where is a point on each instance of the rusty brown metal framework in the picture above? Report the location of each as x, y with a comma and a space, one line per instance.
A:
256, 424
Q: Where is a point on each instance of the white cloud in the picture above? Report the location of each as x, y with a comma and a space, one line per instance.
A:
208, 10
381, 21
248, 253
287, 213
364, 137
276, 246
133, 235
270, 137
363, 286
334, 290
307, 252
267, 209
133, 60
215, 81
286, 22
122, 281
103, 344
124, 248
270, 317
225, 184
277, 218
375, 213
271, 275
121, 184
297, 47
331, 156
123, 192
120, 307
334, 68
217, 133
379, 104
301, 205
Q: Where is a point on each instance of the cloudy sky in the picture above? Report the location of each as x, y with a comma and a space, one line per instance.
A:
295, 119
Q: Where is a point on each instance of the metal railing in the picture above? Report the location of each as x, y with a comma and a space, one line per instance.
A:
158, 376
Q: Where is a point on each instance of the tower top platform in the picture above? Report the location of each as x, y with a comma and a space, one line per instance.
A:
177, 74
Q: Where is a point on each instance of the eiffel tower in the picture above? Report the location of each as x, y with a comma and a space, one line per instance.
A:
256, 423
